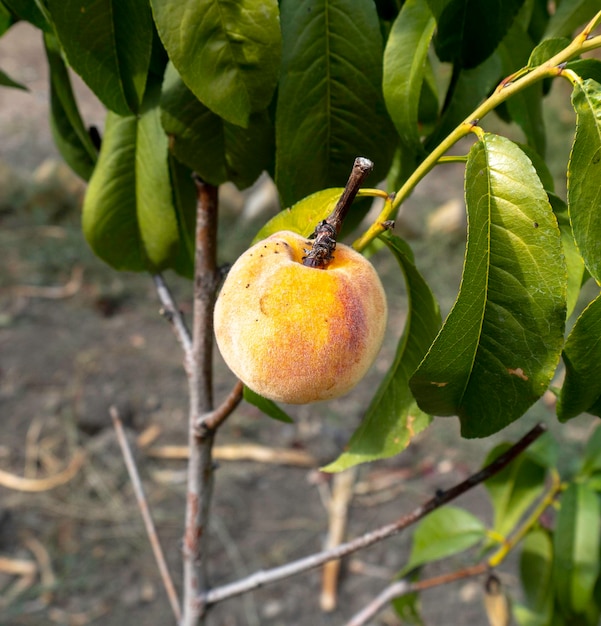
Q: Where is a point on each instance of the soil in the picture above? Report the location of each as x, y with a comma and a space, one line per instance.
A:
65, 360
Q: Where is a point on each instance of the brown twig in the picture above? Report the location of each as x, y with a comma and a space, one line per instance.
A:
173, 315
403, 587
213, 420
261, 578
19, 483
326, 231
134, 476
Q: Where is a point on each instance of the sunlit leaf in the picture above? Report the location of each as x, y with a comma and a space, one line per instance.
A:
330, 107
584, 172
227, 53
581, 389
500, 344
443, 533
393, 418
405, 59
108, 43
576, 547
547, 49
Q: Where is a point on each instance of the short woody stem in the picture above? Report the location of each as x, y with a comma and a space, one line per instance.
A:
327, 230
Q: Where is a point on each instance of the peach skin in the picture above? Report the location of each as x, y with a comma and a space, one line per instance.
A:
299, 334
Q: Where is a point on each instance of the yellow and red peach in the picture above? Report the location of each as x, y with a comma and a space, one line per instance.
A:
298, 334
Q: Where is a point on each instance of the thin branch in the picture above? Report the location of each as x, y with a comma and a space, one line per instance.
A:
173, 315
260, 578
212, 420
401, 588
145, 511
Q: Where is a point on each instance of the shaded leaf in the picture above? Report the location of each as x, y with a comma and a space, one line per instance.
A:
229, 152
571, 14
586, 68
591, 461
109, 44
407, 607
330, 107
498, 348
227, 53
405, 59
68, 130
581, 389
129, 218
270, 408
393, 418
584, 170
443, 533
32, 11
184, 203
576, 548
547, 49
514, 489
536, 567
7, 81
470, 30
6, 19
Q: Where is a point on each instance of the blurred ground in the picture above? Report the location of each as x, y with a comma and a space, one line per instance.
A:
65, 359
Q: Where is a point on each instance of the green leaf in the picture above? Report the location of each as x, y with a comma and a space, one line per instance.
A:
229, 152
470, 30
405, 59
514, 489
571, 14
270, 408
584, 170
536, 567
109, 44
32, 11
330, 107
581, 389
547, 49
576, 547
586, 68
227, 53
407, 607
574, 262
6, 19
498, 348
7, 81
128, 215
393, 418
443, 533
591, 461
70, 134
184, 202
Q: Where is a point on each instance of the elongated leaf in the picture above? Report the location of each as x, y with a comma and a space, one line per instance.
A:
229, 152
268, 407
576, 548
184, 203
443, 533
69, 132
330, 107
499, 346
591, 461
581, 389
227, 53
513, 490
7, 81
393, 417
408, 607
584, 170
6, 19
32, 11
109, 44
405, 60
547, 49
536, 567
470, 30
586, 68
571, 14
129, 218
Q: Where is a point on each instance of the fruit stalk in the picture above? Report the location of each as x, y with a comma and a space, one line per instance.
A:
327, 230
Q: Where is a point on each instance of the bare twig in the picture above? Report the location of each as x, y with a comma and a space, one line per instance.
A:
171, 312
403, 587
260, 578
213, 420
19, 483
145, 511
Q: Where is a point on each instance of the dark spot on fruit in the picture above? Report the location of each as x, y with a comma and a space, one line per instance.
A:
247, 286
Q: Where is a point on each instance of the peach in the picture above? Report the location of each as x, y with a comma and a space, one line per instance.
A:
299, 334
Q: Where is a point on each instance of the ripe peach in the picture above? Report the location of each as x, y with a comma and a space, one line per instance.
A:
298, 334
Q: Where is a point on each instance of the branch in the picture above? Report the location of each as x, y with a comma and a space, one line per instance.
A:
134, 476
173, 315
260, 578
212, 420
